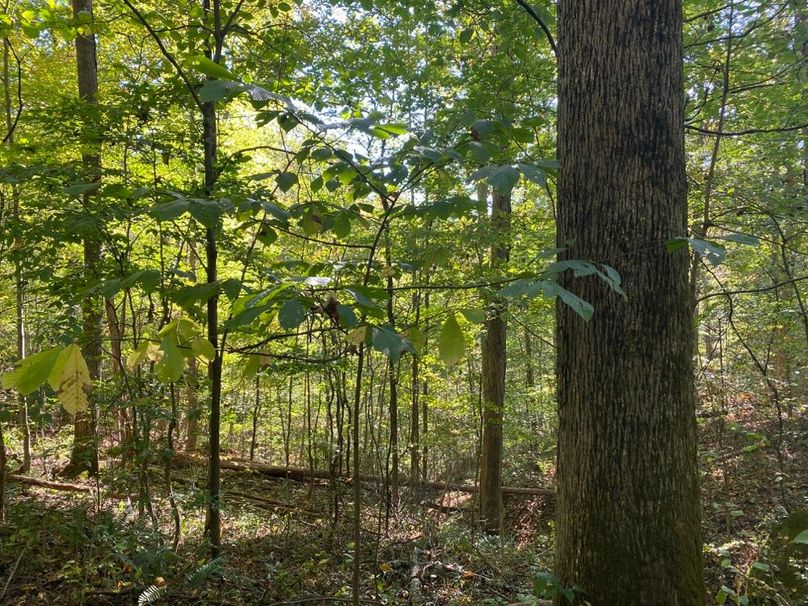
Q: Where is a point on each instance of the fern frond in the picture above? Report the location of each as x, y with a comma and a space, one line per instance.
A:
151, 595
204, 572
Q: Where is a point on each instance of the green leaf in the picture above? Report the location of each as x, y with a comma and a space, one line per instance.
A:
216, 90
801, 538
291, 314
78, 189
451, 343
207, 212
311, 224
168, 211
466, 35
387, 341
187, 295
712, 252
202, 348
740, 239
578, 305
267, 236
286, 181
417, 338
208, 67
474, 315
171, 364
503, 179
347, 317
31, 372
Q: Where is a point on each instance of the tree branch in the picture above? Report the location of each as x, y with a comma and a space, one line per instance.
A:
532, 12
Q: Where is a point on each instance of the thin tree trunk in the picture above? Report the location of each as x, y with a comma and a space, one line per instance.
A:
628, 520
19, 283
415, 438
256, 412
213, 517
192, 383
494, 356
84, 454
530, 380
392, 372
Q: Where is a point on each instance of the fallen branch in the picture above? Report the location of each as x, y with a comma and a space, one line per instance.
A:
300, 474
48, 484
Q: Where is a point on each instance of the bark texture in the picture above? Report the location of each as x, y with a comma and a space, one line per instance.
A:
628, 528
493, 377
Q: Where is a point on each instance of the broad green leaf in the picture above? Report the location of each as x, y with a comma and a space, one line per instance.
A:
474, 315
168, 211
202, 348
216, 90
503, 179
170, 366
146, 349
347, 317
801, 538
387, 341
188, 295
451, 342
208, 67
712, 252
31, 372
577, 304
417, 338
207, 212
291, 314
286, 181
78, 189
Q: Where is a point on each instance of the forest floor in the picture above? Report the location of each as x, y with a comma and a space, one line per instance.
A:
282, 546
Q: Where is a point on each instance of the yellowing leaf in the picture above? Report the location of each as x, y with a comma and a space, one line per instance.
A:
71, 379
146, 350
357, 335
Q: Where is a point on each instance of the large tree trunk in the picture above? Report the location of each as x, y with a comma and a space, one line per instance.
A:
84, 454
493, 377
628, 499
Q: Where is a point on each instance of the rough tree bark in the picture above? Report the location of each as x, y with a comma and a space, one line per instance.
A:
493, 377
628, 521
84, 454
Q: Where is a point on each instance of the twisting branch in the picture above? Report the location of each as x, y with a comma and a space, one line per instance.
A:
748, 131
750, 291
166, 53
532, 12
13, 125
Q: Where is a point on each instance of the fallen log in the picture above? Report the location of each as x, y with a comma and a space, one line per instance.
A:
301, 474
48, 484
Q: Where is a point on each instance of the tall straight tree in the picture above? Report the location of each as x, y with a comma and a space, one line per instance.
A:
84, 455
494, 354
628, 528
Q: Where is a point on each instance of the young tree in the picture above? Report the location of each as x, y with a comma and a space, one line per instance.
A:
84, 455
628, 501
